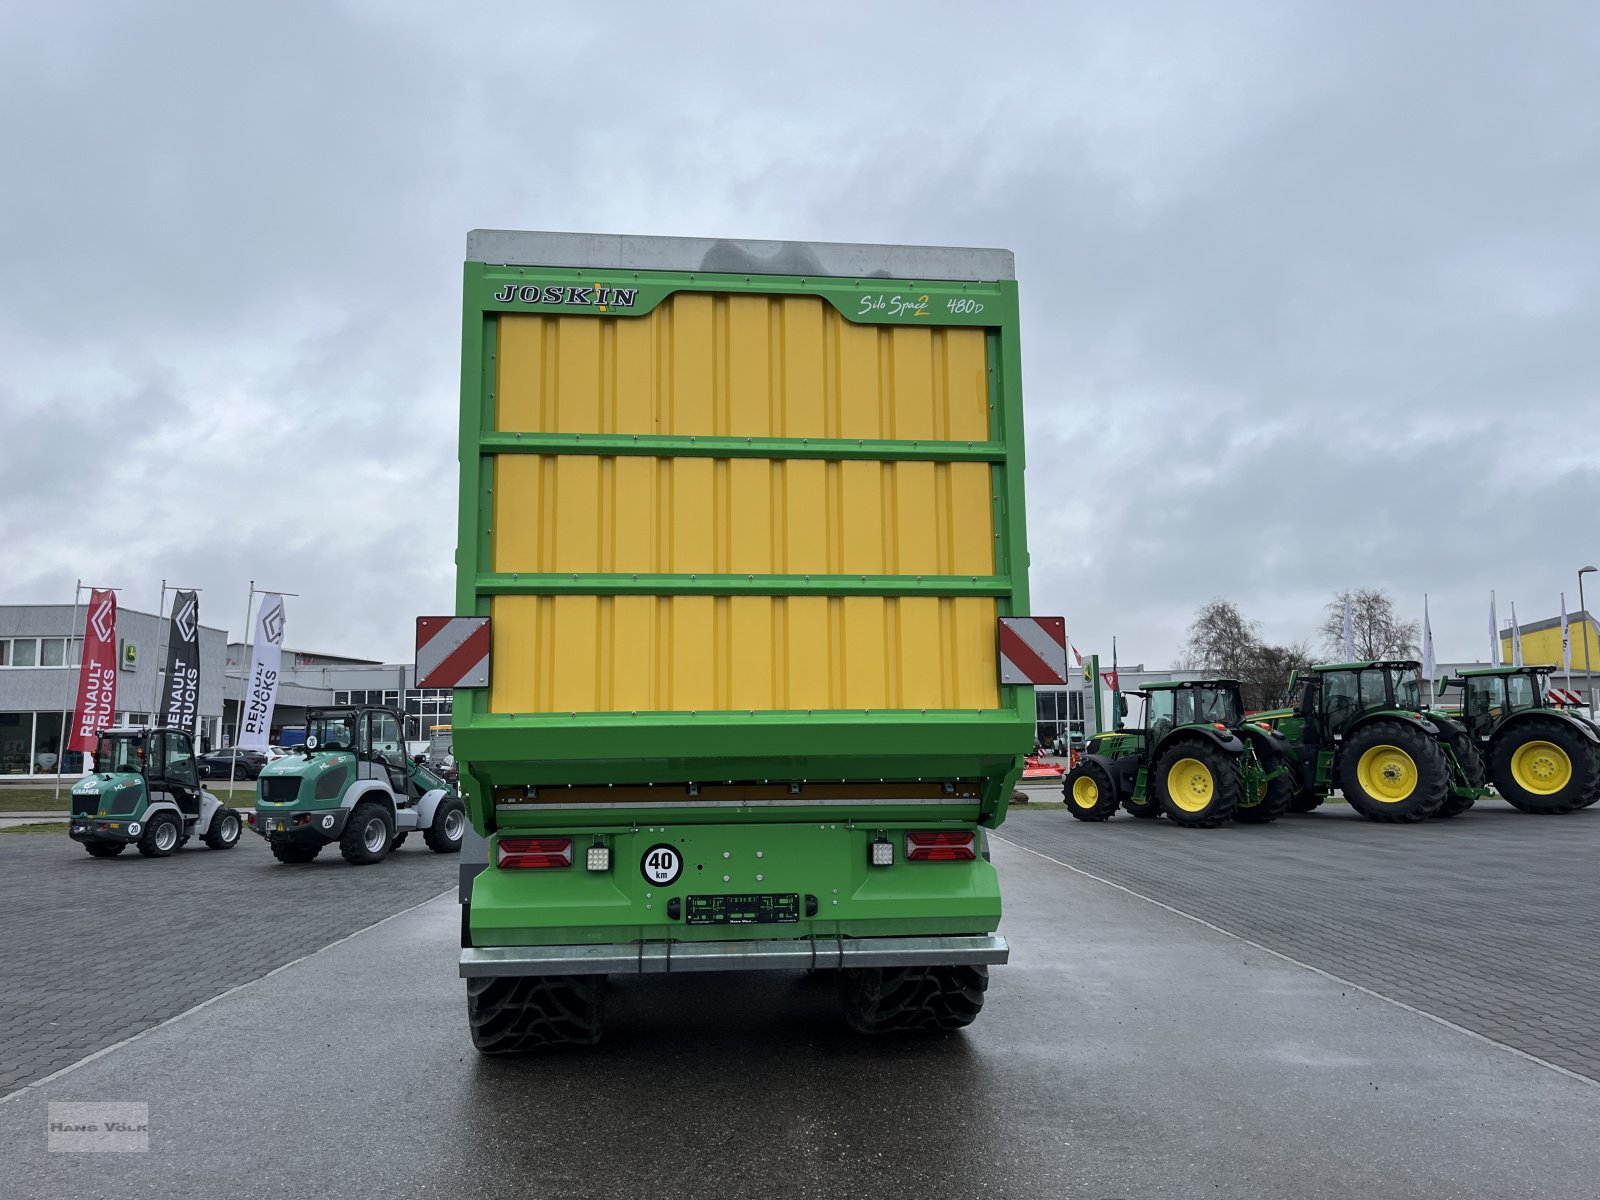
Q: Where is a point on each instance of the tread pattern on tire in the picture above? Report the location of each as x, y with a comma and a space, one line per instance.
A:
1584, 789
1228, 786
1280, 791
1105, 806
294, 852
1433, 772
214, 837
912, 999
517, 1013
434, 834
351, 845
147, 840
105, 849
1472, 766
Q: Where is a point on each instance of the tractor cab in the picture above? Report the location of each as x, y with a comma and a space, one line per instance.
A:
1491, 694
1169, 706
145, 791
1334, 697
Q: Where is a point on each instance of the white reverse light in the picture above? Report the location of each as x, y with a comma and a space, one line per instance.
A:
598, 858
882, 853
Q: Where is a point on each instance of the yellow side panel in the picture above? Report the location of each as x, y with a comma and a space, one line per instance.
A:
581, 513
582, 654
740, 366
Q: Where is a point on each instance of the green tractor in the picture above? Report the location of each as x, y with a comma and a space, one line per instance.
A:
1360, 727
351, 783
1542, 758
1196, 759
145, 792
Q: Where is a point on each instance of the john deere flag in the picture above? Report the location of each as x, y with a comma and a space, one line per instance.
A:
180, 702
261, 688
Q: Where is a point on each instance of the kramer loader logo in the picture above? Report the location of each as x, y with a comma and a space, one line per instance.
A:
597, 296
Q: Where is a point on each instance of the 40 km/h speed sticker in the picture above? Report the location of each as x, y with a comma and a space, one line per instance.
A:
662, 864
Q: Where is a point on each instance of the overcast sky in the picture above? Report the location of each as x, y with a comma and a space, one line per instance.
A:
1309, 290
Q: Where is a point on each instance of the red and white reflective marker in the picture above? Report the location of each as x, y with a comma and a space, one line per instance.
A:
1563, 696
452, 652
1033, 650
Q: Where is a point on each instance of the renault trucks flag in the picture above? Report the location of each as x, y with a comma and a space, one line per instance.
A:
261, 689
97, 679
180, 702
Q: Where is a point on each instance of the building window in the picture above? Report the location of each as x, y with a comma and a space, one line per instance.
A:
16, 743
25, 652
341, 697
53, 652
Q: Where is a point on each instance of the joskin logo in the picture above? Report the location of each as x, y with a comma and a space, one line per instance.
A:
186, 621
102, 620
272, 625
596, 296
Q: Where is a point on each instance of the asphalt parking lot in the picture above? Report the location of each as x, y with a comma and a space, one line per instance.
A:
1127, 1051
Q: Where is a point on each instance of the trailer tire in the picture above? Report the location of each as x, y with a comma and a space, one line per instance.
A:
361, 843
1089, 792
155, 842
1197, 783
515, 1013
1546, 767
1393, 772
449, 826
1471, 760
224, 831
936, 999
294, 852
105, 849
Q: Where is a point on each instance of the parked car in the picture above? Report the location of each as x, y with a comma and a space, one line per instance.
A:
219, 764
274, 753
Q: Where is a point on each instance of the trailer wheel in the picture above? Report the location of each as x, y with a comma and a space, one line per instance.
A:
449, 825
1197, 783
515, 1013
368, 834
1393, 772
105, 849
912, 999
1089, 792
294, 852
1473, 772
160, 837
1545, 767
224, 831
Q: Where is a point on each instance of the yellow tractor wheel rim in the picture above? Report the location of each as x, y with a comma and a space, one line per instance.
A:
1542, 768
1387, 774
1085, 792
1190, 785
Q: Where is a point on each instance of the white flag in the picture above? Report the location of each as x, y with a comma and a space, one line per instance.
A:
1494, 634
1566, 638
1516, 637
261, 686
1427, 642
1349, 634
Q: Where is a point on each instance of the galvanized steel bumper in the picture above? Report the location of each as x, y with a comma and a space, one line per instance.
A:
789, 954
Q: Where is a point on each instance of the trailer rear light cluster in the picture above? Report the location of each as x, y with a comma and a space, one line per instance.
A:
881, 853
597, 858
527, 853
939, 845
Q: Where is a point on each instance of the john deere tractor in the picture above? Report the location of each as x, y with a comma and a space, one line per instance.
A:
145, 792
1361, 727
1196, 759
1542, 758
352, 783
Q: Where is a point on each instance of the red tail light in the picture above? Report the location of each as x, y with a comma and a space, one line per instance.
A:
937, 845
514, 852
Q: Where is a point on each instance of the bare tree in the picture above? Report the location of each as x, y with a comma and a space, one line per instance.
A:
1268, 683
1376, 632
1222, 640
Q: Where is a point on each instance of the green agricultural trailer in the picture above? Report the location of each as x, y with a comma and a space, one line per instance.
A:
1360, 727
1541, 758
742, 518
1196, 759
144, 791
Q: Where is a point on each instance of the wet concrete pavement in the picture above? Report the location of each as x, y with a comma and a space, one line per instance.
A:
1125, 1052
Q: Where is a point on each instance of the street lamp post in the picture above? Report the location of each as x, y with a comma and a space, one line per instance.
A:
1588, 679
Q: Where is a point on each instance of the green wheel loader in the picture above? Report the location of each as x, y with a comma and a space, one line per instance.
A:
1541, 758
145, 792
1360, 727
351, 783
1197, 760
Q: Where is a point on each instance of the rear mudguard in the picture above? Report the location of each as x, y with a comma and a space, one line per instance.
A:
1224, 739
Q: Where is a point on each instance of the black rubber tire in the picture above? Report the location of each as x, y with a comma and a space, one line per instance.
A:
399, 840
1147, 809
517, 1013
1304, 802
105, 849
294, 852
1594, 793
912, 999
1433, 772
1089, 781
1279, 791
1226, 786
147, 839
219, 837
1585, 778
439, 841
1477, 775
352, 843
